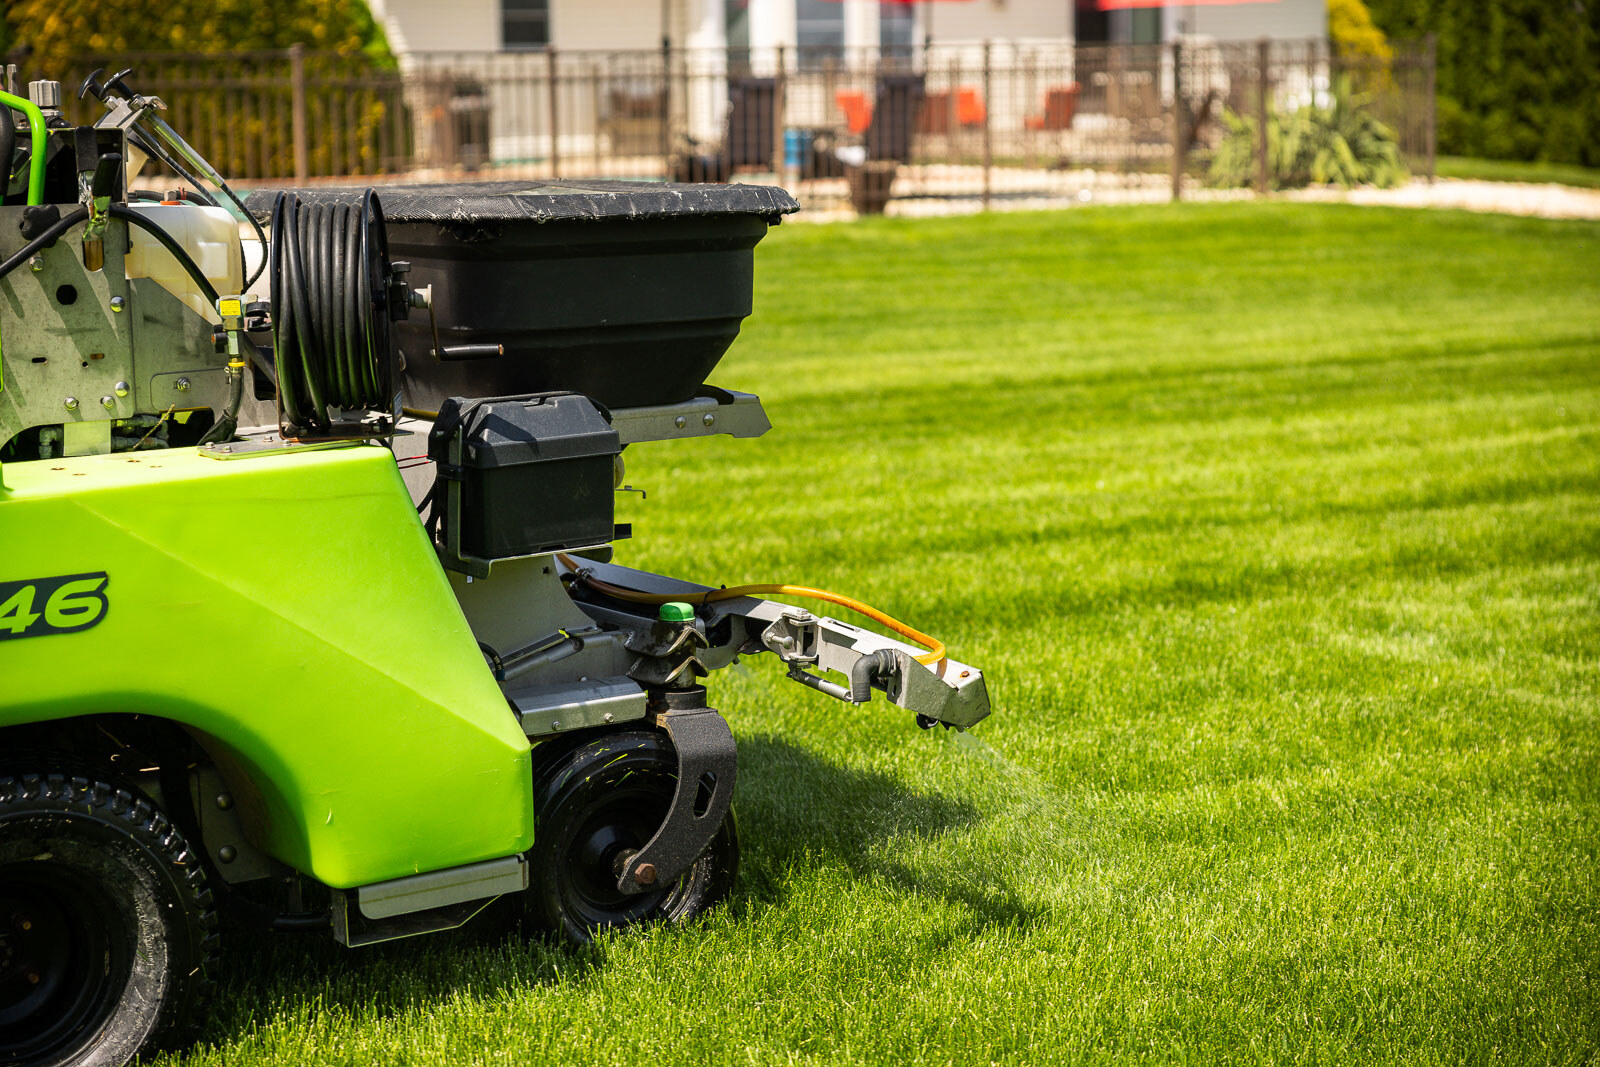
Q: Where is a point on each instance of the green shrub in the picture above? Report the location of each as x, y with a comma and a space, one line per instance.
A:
1517, 79
1341, 144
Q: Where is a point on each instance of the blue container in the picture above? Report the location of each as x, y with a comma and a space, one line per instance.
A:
796, 146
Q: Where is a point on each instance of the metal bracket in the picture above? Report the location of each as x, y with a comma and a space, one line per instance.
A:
821, 684
120, 114
423, 903
221, 830
711, 411
654, 671
794, 637
665, 639
354, 930
267, 444
86, 438
669, 653
707, 763
436, 889
565, 706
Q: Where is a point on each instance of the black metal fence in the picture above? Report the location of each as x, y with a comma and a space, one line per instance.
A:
930, 128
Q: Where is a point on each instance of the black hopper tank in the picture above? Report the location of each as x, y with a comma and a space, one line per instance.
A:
627, 292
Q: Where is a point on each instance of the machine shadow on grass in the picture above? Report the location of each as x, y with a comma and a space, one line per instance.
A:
795, 810
806, 811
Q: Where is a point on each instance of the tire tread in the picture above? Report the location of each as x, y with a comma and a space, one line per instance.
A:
138, 816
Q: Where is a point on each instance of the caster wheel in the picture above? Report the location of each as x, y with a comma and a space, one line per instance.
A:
596, 801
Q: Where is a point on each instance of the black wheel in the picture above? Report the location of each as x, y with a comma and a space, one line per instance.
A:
595, 801
107, 932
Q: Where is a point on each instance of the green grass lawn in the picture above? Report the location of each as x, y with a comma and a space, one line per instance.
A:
1277, 530
1499, 170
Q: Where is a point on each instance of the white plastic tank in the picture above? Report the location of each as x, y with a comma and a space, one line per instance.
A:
211, 237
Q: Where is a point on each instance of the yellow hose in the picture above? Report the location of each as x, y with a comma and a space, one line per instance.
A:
936, 649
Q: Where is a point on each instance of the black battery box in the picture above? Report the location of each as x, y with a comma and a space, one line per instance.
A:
524, 474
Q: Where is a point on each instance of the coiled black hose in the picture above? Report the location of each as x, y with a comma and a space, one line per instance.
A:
330, 332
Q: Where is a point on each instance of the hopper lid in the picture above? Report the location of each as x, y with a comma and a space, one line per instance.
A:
553, 200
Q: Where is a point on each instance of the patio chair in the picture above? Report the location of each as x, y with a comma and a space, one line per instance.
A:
747, 139
1060, 106
894, 116
967, 110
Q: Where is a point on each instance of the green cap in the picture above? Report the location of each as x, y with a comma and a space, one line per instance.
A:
677, 611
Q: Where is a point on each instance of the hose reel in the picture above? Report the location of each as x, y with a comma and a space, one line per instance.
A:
333, 293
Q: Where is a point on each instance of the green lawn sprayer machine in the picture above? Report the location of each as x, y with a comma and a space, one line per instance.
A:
307, 608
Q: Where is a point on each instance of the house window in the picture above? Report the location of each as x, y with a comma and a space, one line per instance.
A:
736, 16
524, 23
1146, 27
1091, 25
896, 28
736, 31
819, 30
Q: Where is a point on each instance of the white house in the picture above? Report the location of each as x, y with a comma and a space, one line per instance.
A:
493, 58
614, 25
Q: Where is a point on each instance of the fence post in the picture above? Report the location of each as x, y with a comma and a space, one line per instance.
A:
555, 149
594, 106
779, 87
1177, 121
666, 105
1116, 62
685, 90
952, 117
1263, 89
297, 106
988, 109
1030, 91
1431, 113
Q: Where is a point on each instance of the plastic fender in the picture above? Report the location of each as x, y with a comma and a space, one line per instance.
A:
289, 611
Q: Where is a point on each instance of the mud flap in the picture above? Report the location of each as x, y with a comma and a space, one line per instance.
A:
707, 766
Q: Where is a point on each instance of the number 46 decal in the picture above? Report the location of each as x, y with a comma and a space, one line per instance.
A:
65, 604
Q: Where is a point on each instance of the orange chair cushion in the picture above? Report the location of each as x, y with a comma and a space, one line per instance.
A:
969, 107
857, 112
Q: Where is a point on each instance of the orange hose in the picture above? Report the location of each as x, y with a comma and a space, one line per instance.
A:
936, 648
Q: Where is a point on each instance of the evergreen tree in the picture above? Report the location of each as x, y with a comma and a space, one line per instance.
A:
1518, 79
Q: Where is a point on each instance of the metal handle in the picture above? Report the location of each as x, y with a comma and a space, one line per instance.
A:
451, 353
104, 182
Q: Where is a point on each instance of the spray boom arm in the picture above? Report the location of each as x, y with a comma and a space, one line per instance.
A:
945, 691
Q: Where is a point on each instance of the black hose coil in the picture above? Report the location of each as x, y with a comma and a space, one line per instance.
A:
330, 328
